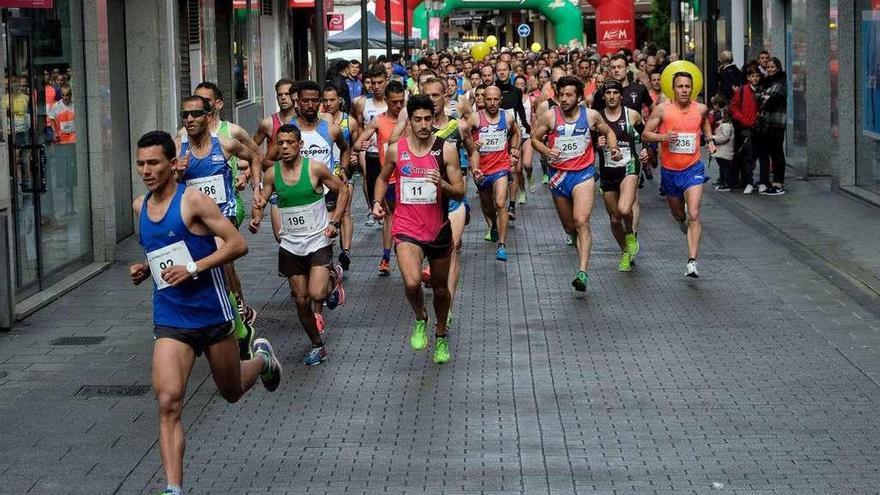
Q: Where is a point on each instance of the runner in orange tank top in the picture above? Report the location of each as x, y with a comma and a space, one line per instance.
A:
383, 127
678, 126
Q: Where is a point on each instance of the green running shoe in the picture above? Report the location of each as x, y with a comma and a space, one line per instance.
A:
488, 236
632, 245
419, 340
545, 180
625, 264
441, 350
580, 283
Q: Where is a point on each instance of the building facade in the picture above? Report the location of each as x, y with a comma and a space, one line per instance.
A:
83, 80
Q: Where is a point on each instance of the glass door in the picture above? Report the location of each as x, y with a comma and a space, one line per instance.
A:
48, 159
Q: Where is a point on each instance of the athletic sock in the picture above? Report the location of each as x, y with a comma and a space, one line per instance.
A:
240, 330
691, 259
176, 490
386, 254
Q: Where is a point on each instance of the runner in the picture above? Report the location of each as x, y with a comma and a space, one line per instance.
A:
191, 312
429, 176
348, 126
204, 165
512, 104
319, 136
525, 171
681, 123
497, 139
305, 256
285, 95
366, 109
570, 156
228, 130
383, 128
620, 178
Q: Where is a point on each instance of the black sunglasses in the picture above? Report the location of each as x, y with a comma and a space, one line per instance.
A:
184, 114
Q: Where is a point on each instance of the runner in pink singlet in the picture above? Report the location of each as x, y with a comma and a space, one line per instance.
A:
428, 176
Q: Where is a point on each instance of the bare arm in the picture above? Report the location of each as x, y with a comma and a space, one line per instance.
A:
598, 123
261, 197
138, 272
382, 181
539, 132
344, 150
264, 130
650, 133
400, 129
365, 136
707, 129
467, 140
336, 185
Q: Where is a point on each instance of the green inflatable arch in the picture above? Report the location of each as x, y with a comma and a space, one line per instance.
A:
566, 18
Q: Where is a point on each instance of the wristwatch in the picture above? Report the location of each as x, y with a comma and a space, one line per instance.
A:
192, 269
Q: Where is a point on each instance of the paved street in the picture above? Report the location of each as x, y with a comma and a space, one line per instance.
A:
759, 377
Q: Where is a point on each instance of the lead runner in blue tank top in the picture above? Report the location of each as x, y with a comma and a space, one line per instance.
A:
191, 313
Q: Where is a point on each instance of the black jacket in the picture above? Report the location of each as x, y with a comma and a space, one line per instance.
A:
512, 99
728, 77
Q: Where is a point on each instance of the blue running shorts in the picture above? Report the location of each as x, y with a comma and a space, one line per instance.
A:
488, 180
675, 183
563, 182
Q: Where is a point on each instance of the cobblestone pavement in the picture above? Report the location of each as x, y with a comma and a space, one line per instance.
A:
759, 377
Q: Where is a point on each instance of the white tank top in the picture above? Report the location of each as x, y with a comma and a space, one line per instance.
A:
316, 148
371, 112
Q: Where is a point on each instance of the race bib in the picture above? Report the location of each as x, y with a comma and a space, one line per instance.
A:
571, 146
626, 157
213, 185
686, 144
176, 254
301, 220
493, 141
417, 191
68, 127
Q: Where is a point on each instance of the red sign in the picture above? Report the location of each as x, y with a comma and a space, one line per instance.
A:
396, 13
297, 4
27, 4
335, 21
615, 25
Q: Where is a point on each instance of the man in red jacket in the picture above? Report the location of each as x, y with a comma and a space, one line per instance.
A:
744, 113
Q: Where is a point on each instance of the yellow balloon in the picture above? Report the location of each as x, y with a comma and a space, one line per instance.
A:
491, 40
676, 67
536, 47
479, 51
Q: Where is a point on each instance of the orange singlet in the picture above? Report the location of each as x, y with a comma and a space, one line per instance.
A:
685, 151
384, 127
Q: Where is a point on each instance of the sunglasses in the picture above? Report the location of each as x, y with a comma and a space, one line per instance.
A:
193, 113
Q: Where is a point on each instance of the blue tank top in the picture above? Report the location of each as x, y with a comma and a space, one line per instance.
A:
196, 303
211, 175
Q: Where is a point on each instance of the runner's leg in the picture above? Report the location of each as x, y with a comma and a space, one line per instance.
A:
499, 194
172, 364
628, 201
610, 198
583, 196
299, 288
442, 298
456, 221
409, 259
692, 197
232, 377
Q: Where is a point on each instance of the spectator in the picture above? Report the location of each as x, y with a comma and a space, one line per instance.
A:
729, 76
355, 85
724, 140
771, 133
744, 113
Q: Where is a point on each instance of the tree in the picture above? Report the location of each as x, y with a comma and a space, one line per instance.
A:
658, 23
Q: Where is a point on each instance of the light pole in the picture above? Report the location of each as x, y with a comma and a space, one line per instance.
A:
365, 42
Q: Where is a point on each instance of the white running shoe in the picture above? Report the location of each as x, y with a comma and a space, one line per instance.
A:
691, 270
762, 188
748, 189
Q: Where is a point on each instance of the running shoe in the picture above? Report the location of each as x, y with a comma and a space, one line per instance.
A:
532, 187
632, 245
337, 297
580, 282
774, 191
762, 188
501, 253
167, 492
691, 269
419, 339
315, 356
248, 315
319, 322
545, 179
521, 198
271, 378
384, 267
441, 350
571, 240
748, 189
625, 264
511, 213
491, 235
371, 222
246, 342
722, 187
345, 259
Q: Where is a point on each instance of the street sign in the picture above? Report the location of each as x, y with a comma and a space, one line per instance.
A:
335, 21
524, 30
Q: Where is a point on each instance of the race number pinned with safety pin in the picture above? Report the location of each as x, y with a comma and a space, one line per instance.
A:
493, 141
300, 220
176, 254
417, 191
214, 186
685, 143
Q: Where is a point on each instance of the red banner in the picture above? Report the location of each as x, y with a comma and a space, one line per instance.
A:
297, 4
27, 4
396, 13
615, 25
